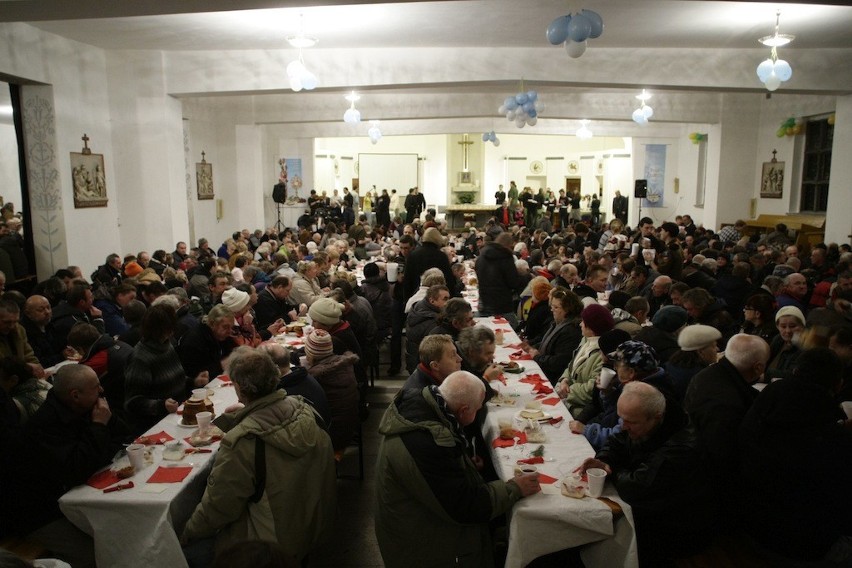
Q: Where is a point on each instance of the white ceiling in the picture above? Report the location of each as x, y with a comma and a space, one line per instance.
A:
483, 23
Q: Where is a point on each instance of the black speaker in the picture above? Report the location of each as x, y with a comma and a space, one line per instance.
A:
279, 193
641, 188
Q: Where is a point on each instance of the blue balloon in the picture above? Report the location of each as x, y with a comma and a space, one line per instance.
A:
485, 137
533, 95
579, 28
528, 106
596, 21
511, 103
557, 31
521, 98
532, 113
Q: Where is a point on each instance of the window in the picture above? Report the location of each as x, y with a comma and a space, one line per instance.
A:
816, 169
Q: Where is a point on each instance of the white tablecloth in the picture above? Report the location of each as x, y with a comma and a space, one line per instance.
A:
134, 528
548, 521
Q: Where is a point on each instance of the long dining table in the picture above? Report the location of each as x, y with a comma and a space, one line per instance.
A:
549, 521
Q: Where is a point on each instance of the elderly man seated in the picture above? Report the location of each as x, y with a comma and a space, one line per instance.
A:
656, 467
295, 380
433, 507
274, 476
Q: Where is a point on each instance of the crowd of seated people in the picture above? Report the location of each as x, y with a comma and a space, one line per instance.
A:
687, 320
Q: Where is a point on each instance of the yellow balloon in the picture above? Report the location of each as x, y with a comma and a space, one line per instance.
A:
797, 129
831, 119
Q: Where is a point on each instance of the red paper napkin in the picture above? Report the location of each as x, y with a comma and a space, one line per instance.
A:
501, 443
154, 439
213, 439
555, 421
170, 474
224, 378
520, 356
502, 378
500, 320
531, 380
551, 401
534, 460
514, 346
103, 479
539, 396
544, 478
542, 388
534, 376
503, 330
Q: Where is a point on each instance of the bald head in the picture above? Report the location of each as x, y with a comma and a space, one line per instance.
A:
279, 353
77, 387
464, 393
662, 285
749, 354
37, 309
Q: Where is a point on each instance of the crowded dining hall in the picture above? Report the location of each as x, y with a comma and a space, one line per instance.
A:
469, 283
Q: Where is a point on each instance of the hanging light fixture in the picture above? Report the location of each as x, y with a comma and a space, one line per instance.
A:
352, 114
374, 133
644, 112
583, 133
300, 77
773, 71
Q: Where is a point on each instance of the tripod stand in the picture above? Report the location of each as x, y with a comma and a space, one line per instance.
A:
279, 226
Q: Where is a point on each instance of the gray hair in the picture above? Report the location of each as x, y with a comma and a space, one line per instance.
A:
744, 351
180, 294
280, 354
217, 314
651, 401
168, 299
554, 266
462, 388
432, 277
456, 309
522, 264
473, 339
254, 372
69, 378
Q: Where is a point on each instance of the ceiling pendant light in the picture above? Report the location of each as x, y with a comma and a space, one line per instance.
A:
644, 112
583, 133
352, 114
300, 77
773, 71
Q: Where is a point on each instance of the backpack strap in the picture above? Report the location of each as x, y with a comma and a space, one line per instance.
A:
259, 469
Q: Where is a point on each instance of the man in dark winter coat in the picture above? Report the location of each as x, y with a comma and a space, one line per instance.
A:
428, 255
499, 281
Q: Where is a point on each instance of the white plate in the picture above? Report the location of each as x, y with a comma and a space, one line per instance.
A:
182, 425
544, 418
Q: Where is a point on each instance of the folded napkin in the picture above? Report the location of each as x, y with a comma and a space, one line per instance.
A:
555, 421
551, 401
503, 330
154, 439
501, 443
502, 378
530, 380
542, 388
500, 320
534, 376
170, 474
224, 378
540, 396
534, 460
546, 479
520, 356
103, 479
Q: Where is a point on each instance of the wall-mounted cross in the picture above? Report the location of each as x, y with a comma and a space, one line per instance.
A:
203, 161
465, 143
774, 159
85, 139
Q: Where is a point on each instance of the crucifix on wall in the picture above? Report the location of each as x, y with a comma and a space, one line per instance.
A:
464, 176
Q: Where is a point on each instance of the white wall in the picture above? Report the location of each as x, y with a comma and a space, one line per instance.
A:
10, 173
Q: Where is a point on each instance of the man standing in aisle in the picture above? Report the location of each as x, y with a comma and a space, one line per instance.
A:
619, 207
428, 483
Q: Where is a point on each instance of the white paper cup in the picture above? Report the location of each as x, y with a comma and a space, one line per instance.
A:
634, 249
136, 455
203, 419
525, 468
596, 477
392, 268
199, 394
606, 377
847, 408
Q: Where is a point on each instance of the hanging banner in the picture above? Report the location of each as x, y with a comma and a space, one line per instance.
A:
655, 173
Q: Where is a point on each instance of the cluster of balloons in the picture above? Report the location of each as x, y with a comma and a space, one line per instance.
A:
772, 72
490, 137
374, 133
642, 114
697, 137
790, 127
300, 77
522, 109
574, 30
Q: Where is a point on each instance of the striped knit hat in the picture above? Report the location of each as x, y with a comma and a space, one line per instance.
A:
318, 344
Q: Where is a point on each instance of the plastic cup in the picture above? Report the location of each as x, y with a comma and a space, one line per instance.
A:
199, 394
847, 408
203, 419
634, 249
606, 377
136, 455
392, 268
596, 477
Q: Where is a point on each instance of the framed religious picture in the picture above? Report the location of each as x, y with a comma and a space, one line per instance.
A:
88, 177
772, 179
464, 178
204, 178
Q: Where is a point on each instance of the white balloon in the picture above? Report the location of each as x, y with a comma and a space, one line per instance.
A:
352, 116
764, 69
309, 80
639, 117
772, 82
502, 109
520, 122
511, 115
295, 84
647, 112
539, 106
532, 121
496, 141
295, 68
575, 48
783, 70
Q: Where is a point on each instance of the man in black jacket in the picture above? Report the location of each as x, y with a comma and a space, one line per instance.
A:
499, 281
77, 307
273, 303
428, 255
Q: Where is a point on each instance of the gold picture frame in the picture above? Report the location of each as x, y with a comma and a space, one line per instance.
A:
204, 179
772, 180
88, 179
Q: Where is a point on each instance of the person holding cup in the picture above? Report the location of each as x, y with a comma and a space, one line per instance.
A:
655, 465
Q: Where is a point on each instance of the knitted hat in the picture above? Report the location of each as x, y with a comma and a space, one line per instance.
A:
132, 269
541, 289
609, 341
148, 276
790, 311
235, 300
432, 235
371, 270
670, 318
695, 337
318, 344
597, 318
326, 311
636, 355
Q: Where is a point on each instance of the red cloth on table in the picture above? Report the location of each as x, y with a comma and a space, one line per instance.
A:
542, 388
520, 356
170, 474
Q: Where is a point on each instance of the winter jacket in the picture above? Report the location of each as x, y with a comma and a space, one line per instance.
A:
113, 317
499, 280
625, 321
299, 383
200, 351
15, 345
422, 318
269, 308
557, 347
664, 343
305, 291
581, 374
336, 375
153, 375
538, 321
782, 359
297, 506
377, 291
43, 342
109, 358
427, 255
433, 507
65, 317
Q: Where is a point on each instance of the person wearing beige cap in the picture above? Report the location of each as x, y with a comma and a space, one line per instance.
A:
327, 314
697, 351
427, 255
336, 375
785, 347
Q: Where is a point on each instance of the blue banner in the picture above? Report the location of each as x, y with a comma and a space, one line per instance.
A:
655, 173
